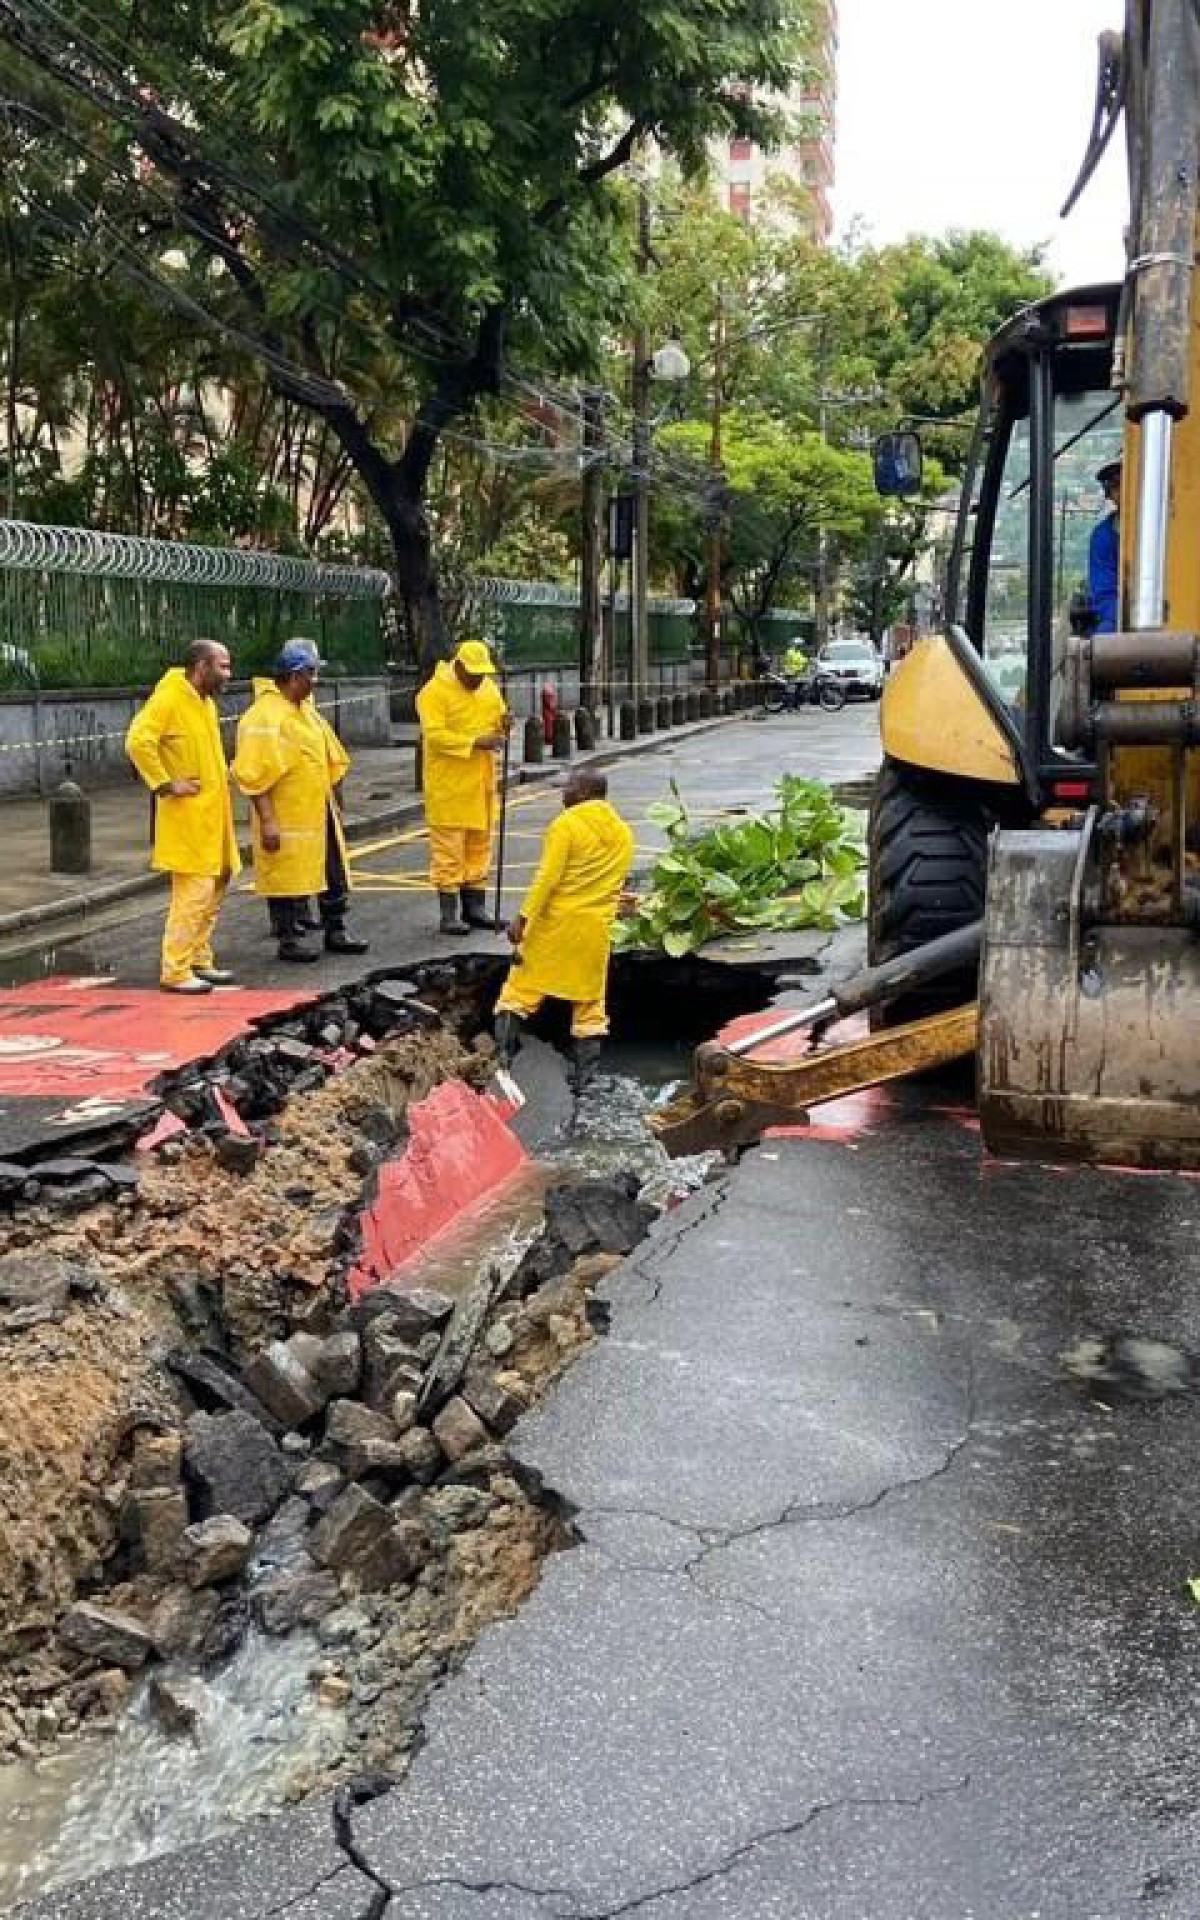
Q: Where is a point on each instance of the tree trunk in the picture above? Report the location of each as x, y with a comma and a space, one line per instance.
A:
417, 586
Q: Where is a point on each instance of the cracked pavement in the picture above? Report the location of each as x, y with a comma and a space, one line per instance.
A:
875, 1615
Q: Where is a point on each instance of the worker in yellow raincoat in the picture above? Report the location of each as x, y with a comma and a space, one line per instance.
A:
290, 764
175, 744
563, 933
463, 725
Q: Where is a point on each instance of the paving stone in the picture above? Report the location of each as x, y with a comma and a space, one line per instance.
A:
458, 1429
106, 1633
157, 1459
277, 1377
337, 1365
296, 1600
349, 1428
355, 1525
161, 1516
182, 1621
215, 1550
234, 1465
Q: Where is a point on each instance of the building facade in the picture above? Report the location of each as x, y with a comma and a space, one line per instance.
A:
744, 174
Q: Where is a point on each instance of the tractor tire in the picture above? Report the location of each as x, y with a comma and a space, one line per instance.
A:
927, 873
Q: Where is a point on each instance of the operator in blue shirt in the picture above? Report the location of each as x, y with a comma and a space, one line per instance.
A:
1104, 554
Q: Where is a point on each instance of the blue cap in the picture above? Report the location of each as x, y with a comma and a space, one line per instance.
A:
298, 656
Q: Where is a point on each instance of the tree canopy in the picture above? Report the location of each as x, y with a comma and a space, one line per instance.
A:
388, 205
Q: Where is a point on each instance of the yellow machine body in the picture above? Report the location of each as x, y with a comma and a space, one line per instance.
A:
932, 716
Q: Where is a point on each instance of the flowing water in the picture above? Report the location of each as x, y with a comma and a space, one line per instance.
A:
117, 1799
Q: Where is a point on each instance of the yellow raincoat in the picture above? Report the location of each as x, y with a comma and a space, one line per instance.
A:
177, 736
572, 902
459, 780
291, 753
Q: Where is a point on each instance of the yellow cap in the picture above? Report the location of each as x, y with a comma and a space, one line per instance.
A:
474, 657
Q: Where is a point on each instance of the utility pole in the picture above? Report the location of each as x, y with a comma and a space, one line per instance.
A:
591, 594
822, 595
640, 648
716, 530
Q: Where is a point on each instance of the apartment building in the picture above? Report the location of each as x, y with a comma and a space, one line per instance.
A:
744, 174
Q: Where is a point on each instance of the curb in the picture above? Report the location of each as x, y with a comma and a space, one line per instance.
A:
81, 906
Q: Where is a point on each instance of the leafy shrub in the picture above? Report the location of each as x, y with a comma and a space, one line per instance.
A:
799, 865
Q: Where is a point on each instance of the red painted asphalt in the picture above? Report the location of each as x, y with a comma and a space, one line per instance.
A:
73, 1039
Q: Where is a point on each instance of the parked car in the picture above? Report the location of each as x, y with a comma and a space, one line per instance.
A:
855, 666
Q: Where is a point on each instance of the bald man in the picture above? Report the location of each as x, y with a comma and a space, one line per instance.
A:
175, 744
563, 933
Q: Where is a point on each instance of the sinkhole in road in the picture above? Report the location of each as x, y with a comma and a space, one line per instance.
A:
140, 1710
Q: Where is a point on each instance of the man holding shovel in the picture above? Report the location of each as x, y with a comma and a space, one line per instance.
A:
563, 933
464, 724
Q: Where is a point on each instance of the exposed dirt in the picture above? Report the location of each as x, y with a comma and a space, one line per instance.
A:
263, 1245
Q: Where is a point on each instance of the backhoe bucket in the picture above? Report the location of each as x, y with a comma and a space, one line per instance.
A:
1089, 1035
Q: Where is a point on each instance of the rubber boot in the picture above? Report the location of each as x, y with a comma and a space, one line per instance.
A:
585, 1058
507, 1032
450, 920
296, 952
337, 940
474, 907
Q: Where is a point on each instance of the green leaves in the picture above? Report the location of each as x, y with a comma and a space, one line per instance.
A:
800, 865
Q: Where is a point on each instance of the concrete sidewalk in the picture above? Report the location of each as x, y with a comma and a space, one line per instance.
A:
381, 792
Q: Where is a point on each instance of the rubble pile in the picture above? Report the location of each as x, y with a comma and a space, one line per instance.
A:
206, 1435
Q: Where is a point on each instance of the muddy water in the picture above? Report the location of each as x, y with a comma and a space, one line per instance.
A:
115, 1800
107, 1802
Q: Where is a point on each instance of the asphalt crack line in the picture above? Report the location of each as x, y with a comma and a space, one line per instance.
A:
797, 1515
734, 1859
346, 1802
488, 1886
657, 1257
295, 1899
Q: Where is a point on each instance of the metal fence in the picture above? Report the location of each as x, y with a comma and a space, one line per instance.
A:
80, 608
535, 624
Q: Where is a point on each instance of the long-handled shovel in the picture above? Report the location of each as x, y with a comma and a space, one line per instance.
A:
502, 1080
502, 833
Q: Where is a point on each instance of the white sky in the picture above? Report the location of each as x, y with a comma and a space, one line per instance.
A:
969, 113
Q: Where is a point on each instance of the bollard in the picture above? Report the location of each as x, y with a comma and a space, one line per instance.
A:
679, 712
70, 813
627, 715
662, 710
561, 745
692, 704
585, 729
645, 716
706, 705
535, 742
729, 700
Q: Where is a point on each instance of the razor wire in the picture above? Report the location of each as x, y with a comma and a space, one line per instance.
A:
27, 547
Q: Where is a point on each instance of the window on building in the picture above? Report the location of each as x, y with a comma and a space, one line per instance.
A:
740, 149
739, 200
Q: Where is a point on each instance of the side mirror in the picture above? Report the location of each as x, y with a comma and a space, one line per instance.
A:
899, 465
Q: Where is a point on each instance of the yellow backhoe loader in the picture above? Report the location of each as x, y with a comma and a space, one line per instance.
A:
1040, 784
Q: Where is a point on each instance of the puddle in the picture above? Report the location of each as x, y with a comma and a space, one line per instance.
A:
73, 960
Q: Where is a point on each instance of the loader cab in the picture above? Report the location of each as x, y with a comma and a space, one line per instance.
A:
1049, 420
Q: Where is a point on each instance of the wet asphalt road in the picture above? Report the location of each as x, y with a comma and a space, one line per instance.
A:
876, 1614
734, 766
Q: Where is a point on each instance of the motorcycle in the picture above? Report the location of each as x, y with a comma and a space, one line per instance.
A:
785, 693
